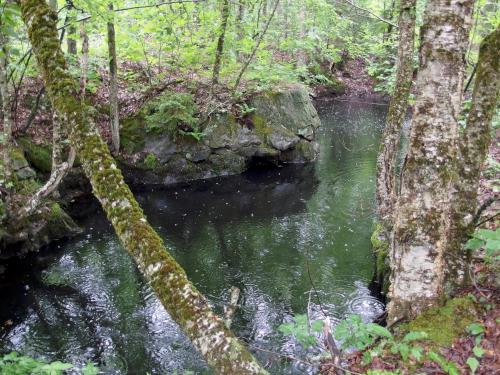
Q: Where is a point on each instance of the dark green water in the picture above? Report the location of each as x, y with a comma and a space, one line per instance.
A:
272, 234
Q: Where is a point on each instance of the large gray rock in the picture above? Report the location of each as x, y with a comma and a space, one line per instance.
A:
290, 108
281, 129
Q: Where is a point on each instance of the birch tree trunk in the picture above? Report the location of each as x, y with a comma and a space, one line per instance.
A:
477, 135
184, 302
220, 43
426, 265
113, 84
398, 107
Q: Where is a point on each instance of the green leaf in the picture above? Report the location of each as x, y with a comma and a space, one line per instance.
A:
286, 329
492, 245
90, 369
478, 351
474, 244
473, 364
317, 326
417, 352
404, 350
379, 330
487, 234
414, 335
475, 328
367, 357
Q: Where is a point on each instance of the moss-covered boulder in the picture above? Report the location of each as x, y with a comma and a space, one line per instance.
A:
38, 155
20, 167
279, 128
289, 109
48, 223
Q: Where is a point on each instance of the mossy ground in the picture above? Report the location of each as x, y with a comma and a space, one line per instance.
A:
444, 324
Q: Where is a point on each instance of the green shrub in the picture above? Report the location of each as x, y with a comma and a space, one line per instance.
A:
171, 113
16, 364
151, 162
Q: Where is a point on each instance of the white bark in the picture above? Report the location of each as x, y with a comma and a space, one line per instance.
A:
426, 265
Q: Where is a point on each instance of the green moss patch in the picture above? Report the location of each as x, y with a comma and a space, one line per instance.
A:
443, 324
132, 134
39, 156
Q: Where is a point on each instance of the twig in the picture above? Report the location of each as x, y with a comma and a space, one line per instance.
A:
469, 81
474, 282
488, 219
33, 112
483, 208
314, 286
372, 13
158, 4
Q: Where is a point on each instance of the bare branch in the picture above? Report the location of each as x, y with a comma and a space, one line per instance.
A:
371, 13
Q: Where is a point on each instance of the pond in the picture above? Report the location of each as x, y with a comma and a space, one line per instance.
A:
293, 239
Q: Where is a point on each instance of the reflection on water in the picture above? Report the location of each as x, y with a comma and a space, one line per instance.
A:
275, 235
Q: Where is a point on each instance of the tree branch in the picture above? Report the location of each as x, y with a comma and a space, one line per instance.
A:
371, 13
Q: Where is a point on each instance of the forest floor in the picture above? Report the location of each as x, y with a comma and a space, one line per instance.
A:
136, 87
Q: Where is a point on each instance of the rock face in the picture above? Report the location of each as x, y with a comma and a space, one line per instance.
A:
280, 128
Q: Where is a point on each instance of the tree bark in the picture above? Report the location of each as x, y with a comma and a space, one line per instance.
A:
6, 97
113, 85
85, 59
183, 301
426, 264
477, 135
398, 107
220, 43
71, 41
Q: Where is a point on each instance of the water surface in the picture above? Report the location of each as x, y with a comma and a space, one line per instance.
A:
288, 238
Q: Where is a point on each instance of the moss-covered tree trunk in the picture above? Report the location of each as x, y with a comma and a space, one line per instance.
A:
426, 263
220, 42
184, 302
477, 135
398, 107
113, 84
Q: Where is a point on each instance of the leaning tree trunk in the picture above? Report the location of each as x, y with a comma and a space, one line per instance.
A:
426, 265
220, 43
477, 136
386, 162
113, 84
187, 306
